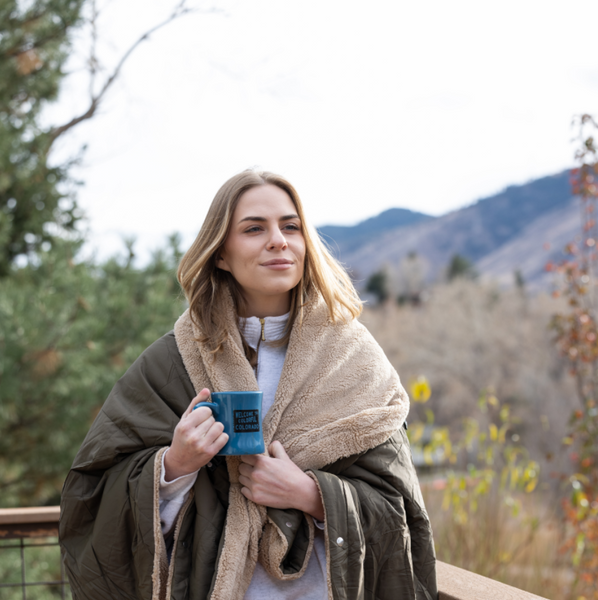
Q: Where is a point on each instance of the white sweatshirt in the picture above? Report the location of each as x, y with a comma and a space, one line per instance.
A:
312, 585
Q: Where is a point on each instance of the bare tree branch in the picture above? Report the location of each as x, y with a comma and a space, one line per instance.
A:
93, 63
96, 98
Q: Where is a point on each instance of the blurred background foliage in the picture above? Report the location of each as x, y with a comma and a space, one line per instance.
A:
68, 330
69, 326
37, 200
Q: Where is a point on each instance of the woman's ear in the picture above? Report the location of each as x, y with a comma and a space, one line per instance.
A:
221, 263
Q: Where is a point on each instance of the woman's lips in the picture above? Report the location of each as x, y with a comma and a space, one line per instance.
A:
278, 264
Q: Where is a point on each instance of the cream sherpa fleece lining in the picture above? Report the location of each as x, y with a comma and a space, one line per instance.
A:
163, 571
337, 396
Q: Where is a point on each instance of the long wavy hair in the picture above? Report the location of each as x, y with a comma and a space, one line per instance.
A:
204, 283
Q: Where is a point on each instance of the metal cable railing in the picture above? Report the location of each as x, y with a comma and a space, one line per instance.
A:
30, 563
24, 530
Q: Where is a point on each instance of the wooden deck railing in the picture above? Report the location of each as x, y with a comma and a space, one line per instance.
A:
25, 530
453, 583
29, 522
459, 584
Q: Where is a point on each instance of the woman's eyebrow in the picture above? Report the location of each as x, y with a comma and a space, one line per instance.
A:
263, 220
253, 219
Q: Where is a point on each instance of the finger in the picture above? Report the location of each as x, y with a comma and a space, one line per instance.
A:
211, 434
250, 459
247, 493
187, 427
201, 397
202, 415
245, 481
245, 469
219, 444
277, 450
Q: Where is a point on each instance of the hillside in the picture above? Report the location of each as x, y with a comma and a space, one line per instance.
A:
499, 234
348, 238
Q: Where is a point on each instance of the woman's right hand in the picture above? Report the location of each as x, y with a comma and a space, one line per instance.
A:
197, 439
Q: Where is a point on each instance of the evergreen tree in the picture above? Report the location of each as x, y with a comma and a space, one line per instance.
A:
35, 203
460, 267
68, 327
68, 331
377, 284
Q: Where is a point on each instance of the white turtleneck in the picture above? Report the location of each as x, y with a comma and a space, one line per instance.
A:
173, 494
270, 359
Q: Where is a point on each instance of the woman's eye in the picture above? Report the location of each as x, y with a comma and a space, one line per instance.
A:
287, 227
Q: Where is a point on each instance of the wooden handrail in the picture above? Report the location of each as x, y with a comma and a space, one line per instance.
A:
453, 583
458, 584
38, 521
35, 514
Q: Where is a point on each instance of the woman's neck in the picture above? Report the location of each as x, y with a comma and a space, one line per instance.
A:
269, 306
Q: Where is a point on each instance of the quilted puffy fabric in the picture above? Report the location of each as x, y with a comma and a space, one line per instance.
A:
379, 539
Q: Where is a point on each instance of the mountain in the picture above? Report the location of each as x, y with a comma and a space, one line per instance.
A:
347, 238
499, 234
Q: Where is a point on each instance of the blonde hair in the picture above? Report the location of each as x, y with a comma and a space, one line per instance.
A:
204, 283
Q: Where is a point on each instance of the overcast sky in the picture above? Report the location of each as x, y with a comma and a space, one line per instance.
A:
363, 106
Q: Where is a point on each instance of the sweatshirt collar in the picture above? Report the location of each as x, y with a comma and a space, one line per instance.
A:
273, 327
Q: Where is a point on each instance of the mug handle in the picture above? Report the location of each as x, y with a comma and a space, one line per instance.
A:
211, 405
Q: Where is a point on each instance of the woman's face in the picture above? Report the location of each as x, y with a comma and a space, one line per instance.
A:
265, 250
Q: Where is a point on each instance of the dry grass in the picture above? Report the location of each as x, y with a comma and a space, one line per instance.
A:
522, 551
469, 337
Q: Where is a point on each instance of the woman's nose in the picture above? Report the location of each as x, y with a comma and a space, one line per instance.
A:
277, 240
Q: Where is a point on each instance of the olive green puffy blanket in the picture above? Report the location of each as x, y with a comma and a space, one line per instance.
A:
338, 396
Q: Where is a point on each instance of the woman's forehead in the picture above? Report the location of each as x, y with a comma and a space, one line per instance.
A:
265, 202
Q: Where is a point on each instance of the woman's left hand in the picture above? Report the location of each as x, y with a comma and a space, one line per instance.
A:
276, 481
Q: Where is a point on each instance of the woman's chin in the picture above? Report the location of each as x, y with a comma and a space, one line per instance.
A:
274, 286
278, 290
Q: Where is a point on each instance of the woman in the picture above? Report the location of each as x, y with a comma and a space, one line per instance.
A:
332, 511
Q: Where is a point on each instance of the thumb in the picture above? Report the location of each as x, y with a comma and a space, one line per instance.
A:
277, 450
201, 397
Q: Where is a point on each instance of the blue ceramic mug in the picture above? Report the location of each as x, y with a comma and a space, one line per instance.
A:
241, 415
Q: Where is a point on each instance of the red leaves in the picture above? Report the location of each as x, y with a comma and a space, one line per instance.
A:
576, 336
